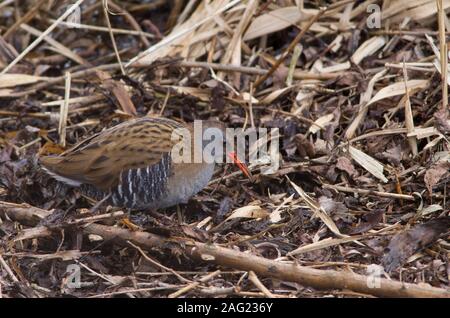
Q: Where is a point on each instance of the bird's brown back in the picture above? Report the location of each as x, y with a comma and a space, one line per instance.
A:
100, 159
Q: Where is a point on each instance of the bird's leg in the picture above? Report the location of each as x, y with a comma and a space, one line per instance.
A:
141, 218
99, 204
129, 224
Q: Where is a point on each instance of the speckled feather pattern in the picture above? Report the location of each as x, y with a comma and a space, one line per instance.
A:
131, 161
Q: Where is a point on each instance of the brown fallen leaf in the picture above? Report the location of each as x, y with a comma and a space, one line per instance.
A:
406, 243
330, 206
249, 211
344, 164
394, 155
372, 219
194, 232
442, 123
437, 172
350, 79
304, 146
279, 76
119, 91
337, 210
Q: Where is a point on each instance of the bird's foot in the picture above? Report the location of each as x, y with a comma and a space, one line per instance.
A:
130, 225
130, 222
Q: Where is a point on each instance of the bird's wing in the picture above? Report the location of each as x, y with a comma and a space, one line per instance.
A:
102, 158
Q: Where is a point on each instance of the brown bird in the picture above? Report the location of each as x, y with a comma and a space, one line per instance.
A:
130, 165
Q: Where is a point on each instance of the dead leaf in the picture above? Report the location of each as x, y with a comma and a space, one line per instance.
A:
397, 89
12, 80
275, 20
368, 48
436, 173
344, 164
406, 243
368, 163
119, 91
249, 211
320, 123
204, 94
304, 147
279, 76
276, 94
194, 232
441, 118
393, 155
372, 219
317, 210
330, 206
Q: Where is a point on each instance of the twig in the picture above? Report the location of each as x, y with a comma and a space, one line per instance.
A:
99, 217
255, 280
64, 109
23, 213
43, 231
166, 99
174, 272
406, 32
6, 3
104, 29
293, 64
444, 54
193, 285
409, 119
321, 279
8, 269
134, 290
370, 192
250, 107
95, 273
175, 11
132, 23
111, 34
54, 80
253, 70
211, 253
58, 47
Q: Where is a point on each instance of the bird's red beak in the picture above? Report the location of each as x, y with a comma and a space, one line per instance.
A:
240, 165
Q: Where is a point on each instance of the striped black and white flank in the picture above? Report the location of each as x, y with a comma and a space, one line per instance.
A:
139, 188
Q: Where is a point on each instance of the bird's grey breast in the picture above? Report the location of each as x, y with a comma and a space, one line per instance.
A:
182, 187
